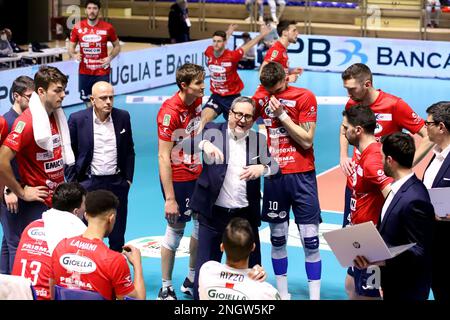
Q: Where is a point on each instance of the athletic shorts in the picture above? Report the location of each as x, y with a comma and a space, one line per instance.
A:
183, 193
221, 104
360, 277
85, 83
296, 190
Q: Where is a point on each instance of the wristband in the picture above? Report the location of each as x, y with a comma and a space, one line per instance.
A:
283, 116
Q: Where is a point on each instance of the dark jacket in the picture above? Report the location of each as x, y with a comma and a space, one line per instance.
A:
178, 29
210, 182
409, 218
81, 129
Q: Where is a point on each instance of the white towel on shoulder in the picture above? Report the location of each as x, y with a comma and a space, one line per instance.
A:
42, 130
59, 225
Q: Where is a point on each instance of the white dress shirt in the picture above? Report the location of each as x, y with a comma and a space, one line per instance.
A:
104, 159
435, 166
395, 186
233, 193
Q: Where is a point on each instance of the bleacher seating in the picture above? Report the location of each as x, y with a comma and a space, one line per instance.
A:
396, 18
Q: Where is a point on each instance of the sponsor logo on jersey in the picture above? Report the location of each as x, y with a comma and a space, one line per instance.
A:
216, 69
36, 233
282, 150
151, 246
91, 38
101, 32
378, 128
53, 166
274, 54
92, 50
287, 103
19, 127
166, 120
43, 156
219, 293
56, 140
84, 45
285, 159
74, 263
380, 173
353, 204
383, 116
193, 125
282, 214
51, 184
268, 112
272, 215
278, 132
268, 122
360, 171
226, 64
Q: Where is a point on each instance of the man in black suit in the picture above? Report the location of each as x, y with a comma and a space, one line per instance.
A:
103, 145
407, 217
437, 175
229, 185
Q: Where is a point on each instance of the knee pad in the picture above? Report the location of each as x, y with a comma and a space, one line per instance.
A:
310, 240
278, 238
172, 238
195, 229
278, 241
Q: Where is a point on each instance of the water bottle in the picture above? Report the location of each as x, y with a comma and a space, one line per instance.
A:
30, 48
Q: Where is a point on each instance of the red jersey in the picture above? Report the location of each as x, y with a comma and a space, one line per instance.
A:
93, 41
88, 264
393, 114
225, 80
301, 106
176, 121
368, 181
33, 259
278, 53
37, 167
3, 129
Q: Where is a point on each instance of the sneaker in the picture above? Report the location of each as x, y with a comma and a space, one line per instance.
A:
166, 294
187, 287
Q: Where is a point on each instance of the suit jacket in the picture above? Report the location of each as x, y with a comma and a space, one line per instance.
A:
442, 179
210, 182
81, 127
409, 218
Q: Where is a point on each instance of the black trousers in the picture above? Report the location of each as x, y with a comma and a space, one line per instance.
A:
210, 237
120, 187
440, 276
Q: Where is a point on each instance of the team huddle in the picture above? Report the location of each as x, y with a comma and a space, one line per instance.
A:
210, 173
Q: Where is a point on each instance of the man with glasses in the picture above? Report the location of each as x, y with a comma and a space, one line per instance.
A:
235, 157
102, 143
437, 175
21, 89
392, 114
290, 115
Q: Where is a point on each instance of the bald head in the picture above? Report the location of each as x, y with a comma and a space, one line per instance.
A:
101, 86
102, 99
